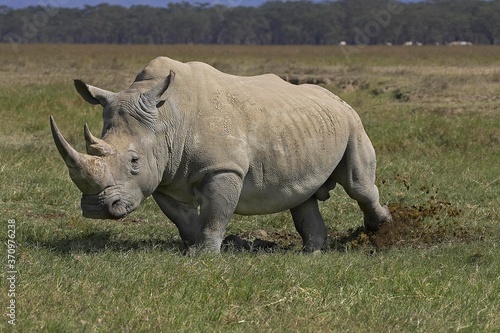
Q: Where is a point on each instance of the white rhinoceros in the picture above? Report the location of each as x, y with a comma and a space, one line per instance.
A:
207, 144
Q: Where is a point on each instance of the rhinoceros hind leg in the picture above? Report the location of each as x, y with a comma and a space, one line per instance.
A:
374, 213
356, 174
310, 225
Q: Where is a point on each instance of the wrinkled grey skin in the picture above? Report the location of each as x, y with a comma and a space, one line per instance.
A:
207, 144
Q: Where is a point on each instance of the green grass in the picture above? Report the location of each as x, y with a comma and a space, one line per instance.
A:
433, 116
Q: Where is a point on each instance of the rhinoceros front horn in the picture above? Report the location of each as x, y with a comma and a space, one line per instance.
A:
86, 171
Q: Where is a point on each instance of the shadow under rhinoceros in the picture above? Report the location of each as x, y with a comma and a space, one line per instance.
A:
100, 241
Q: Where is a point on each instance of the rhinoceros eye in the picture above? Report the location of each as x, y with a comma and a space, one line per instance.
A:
134, 162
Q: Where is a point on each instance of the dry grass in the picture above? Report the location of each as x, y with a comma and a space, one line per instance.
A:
450, 80
57, 62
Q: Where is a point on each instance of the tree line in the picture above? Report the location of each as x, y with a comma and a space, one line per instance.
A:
365, 22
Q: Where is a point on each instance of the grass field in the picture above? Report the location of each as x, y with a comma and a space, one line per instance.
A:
433, 114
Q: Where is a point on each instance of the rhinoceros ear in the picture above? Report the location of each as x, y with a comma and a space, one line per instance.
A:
94, 95
157, 94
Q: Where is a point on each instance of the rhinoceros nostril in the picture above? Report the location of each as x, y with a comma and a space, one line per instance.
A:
118, 209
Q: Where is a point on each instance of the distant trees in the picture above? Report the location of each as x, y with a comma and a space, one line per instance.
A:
274, 22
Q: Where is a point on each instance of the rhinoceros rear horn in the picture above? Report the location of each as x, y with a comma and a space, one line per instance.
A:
94, 95
86, 171
95, 146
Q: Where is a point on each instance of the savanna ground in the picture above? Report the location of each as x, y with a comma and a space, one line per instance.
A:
433, 114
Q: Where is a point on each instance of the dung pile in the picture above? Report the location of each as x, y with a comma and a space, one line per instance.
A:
416, 226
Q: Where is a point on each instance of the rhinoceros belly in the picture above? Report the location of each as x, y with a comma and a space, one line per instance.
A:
290, 159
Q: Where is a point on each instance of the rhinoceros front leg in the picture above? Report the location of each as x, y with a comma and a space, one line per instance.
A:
218, 196
310, 225
184, 216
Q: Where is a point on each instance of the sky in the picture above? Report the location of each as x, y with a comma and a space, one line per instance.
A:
126, 3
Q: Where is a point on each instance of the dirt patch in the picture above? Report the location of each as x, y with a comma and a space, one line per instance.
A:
301, 79
408, 226
412, 226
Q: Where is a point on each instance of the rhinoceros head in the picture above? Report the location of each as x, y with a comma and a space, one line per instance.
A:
124, 166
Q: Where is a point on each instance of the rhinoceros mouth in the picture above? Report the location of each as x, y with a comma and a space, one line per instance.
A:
96, 207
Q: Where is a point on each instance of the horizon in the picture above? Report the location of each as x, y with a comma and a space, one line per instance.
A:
19, 4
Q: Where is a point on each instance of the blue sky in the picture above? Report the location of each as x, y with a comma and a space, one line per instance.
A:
127, 3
